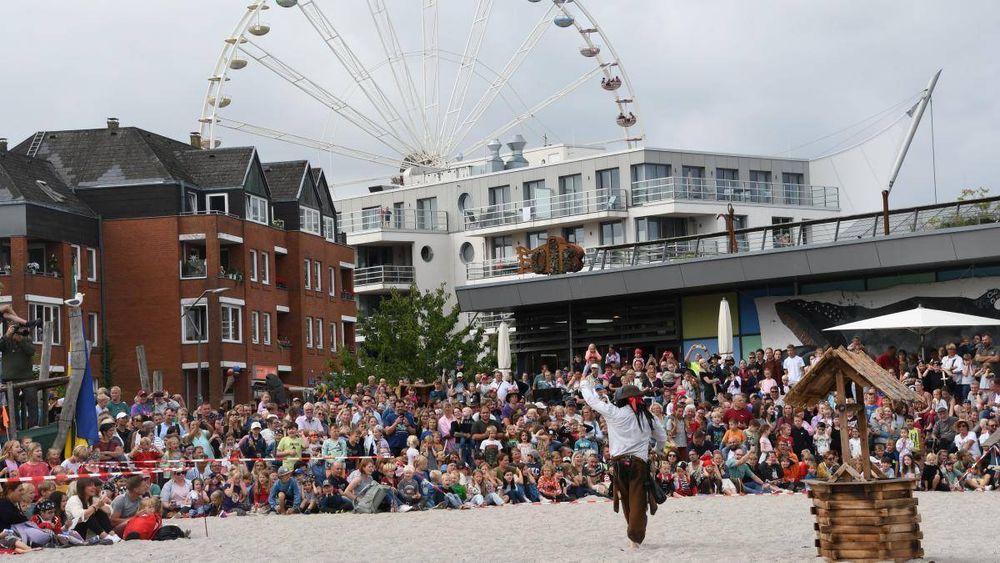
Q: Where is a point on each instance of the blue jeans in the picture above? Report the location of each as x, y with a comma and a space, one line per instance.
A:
529, 491
752, 487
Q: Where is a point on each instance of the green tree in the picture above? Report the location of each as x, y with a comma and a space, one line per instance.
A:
412, 335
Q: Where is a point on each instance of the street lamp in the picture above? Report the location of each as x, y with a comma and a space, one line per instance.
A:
197, 328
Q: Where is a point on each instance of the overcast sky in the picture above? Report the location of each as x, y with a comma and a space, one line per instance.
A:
729, 76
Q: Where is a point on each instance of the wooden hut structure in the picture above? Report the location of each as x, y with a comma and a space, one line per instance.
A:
860, 515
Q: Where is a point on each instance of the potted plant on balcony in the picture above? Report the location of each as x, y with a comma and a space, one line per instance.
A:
280, 283
5, 269
32, 268
53, 265
284, 342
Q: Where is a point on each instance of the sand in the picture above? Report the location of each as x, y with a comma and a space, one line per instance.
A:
957, 527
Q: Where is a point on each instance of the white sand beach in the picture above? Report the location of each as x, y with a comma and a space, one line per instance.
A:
956, 527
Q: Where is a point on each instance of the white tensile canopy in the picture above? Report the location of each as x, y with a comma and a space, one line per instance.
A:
920, 320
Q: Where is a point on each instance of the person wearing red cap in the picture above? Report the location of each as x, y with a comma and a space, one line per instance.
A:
638, 364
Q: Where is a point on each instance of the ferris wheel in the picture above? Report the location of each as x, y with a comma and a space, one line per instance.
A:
422, 104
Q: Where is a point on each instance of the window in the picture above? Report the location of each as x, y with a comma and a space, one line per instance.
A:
398, 215
608, 180
257, 209
329, 232
254, 327
195, 325
792, 186
760, 184
309, 220
371, 217
77, 265
571, 196
232, 324
308, 272
49, 314
464, 202
267, 329
319, 334
427, 214
467, 253
309, 332
333, 277
612, 233
694, 182
91, 264
265, 268
218, 203
574, 235
502, 247
782, 236
727, 184
655, 228
537, 238
191, 202
499, 195
253, 265
333, 337
538, 198
93, 330
319, 276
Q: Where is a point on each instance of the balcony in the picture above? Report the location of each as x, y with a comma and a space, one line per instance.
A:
348, 295
193, 268
694, 190
496, 268
544, 212
383, 279
377, 225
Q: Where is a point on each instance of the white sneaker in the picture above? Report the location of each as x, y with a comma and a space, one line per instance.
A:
114, 537
405, 508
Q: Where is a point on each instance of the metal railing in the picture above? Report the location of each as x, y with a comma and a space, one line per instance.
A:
565, 205
491, 320
383, 275
804, 234
491, 268
672, 188
386, 219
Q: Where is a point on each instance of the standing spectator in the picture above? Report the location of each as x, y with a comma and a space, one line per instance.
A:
116, 405
18, 365
793, 366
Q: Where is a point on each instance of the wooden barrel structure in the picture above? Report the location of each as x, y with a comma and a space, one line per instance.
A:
866, 520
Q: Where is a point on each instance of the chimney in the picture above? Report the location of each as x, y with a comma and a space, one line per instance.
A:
516, 160
493, 162
3, 146
196, 139
112, 123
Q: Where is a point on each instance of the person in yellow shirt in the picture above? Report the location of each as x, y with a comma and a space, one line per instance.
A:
290, 446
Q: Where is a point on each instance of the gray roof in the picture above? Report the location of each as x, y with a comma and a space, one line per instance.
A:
285, 178
216, 168
34, 181
111, 157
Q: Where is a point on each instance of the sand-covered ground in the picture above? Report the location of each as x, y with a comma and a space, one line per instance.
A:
957, 527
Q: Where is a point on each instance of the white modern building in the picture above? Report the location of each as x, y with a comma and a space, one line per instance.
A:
462, 225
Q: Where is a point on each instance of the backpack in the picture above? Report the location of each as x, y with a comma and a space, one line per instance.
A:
370, 499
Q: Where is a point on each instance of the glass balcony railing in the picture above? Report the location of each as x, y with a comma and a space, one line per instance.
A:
674, 188
381, 275
540, 209
385, 219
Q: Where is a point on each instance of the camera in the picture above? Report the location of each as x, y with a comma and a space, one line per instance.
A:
23, 330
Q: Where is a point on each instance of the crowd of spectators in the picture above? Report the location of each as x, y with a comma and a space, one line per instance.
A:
472, 441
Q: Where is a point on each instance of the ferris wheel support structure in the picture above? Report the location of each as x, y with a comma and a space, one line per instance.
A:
470, 57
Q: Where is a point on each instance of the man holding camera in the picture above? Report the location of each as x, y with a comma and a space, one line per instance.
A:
18, 363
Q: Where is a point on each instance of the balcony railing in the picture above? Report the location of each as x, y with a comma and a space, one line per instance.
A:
491, 320
347, 295
673, 188
540, 209
402, 275
491, 268
384, 219
804, 234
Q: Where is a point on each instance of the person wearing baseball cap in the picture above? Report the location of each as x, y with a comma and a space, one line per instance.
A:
253, 445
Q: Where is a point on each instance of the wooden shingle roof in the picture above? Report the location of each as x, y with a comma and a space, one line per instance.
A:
820, 381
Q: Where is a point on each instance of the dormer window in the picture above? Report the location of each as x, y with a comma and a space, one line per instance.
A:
309, 220
257, 209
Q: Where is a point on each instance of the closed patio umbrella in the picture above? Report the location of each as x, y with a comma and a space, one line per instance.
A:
725, 330
503, 348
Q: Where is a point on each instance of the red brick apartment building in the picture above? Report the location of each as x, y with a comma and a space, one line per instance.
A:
208, 258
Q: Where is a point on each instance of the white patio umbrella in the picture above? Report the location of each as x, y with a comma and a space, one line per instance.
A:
503, 348
725, 330
920, 321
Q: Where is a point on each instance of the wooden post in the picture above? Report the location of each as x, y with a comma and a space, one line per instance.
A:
885, 212
77, 367
43, 371
157, 380
140, 355
866, 461
845, 444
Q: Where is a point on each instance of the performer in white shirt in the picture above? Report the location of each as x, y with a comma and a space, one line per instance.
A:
631, 428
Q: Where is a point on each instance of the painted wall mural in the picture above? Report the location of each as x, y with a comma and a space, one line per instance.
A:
801, 320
